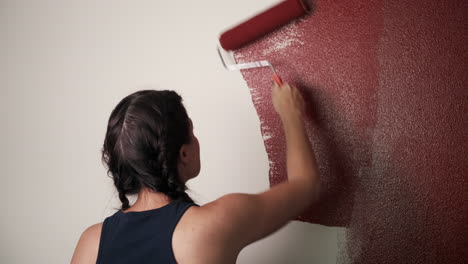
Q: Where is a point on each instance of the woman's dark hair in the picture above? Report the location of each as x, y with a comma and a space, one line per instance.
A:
141, 149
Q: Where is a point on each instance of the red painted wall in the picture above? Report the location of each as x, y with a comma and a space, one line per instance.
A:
387, 83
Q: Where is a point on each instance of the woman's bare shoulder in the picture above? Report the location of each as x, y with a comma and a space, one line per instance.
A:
86, 250
214, 232
200, 233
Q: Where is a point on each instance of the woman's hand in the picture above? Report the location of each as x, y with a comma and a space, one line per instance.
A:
288, 101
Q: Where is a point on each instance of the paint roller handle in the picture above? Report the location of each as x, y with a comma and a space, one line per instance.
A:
277, 79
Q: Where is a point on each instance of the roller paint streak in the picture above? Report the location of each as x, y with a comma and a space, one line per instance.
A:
389, 125
342, 122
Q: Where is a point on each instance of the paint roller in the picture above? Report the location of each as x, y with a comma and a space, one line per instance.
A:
259, 26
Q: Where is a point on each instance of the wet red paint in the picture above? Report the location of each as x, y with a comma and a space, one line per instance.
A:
387, 82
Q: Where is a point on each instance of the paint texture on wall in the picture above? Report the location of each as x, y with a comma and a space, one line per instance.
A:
387, 87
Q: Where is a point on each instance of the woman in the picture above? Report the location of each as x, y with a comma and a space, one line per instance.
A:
150, 150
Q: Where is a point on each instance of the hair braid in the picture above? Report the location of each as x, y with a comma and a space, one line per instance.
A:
123, 198
173, 187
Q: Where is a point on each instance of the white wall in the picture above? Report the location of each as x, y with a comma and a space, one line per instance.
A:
65, 65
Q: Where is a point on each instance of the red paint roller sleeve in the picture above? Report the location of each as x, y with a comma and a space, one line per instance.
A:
263, 24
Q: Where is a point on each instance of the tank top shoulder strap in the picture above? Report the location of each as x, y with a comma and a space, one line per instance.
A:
106, 234
178, 210
160, 223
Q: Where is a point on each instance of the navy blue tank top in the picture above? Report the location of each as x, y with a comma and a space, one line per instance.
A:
140, 237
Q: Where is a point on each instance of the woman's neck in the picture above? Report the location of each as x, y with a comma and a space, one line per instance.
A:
149, 200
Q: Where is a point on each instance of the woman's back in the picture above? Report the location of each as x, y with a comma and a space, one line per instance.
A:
151, 230
175, 232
